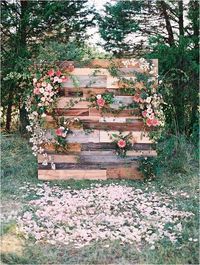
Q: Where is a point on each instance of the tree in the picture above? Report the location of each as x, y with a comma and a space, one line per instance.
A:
25, 26
170, 32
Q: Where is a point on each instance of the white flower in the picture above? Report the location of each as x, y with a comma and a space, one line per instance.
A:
43, 115
35, 113
53, 166
28, 127
44, 84
43, 99
45, 163
41, 90
98, 96
149, 110
34, 80
148, 99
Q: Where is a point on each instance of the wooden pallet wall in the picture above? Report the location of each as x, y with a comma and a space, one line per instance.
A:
91, 153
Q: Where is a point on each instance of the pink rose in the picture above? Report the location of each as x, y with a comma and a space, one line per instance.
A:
59, 131
144, 113
38, 84
100, 102
155, 122
36, 91
58, 73
149, 122
51, 72
121, 143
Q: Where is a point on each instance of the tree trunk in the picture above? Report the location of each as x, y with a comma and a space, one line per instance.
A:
167, 22
180, 18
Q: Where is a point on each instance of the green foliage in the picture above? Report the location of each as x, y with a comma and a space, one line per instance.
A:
175, 155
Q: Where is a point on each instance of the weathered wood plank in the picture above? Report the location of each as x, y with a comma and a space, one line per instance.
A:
130, 153
77, 103
80, 136
58, 158
124, 173
122, 113
111, 146
138, 137
72, 112
87, 81
71, 148
134, 126
71, 174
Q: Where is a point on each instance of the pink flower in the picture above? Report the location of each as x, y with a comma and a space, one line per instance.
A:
51, 72
36, 91
59, 131
144, 113
100, 102
121, 143
155, 122
64, 78
38, 84
149, 122
58, 73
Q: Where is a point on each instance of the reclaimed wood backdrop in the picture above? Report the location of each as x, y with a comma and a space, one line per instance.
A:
91, 155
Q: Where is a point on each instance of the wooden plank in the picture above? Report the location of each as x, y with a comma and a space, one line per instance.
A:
88, 165
130, 153
80, 136
122, 113
77, 103
124, 173
138, 137
87, 81
71, 148
72, 112
71, 174
57, 158
134, 126
111, 146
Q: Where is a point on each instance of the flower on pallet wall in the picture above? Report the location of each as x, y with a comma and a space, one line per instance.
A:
102, 101
41, 101
122, 143
143, 87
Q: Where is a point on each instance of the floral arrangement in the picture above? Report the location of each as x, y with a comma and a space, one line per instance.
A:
122, 143
102, 101
143, 88
40, 102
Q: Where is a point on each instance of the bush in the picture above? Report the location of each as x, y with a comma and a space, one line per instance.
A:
175, 154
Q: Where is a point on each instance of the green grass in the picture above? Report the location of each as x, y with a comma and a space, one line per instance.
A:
19, 166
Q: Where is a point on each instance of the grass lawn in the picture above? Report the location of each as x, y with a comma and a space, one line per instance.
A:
22, 193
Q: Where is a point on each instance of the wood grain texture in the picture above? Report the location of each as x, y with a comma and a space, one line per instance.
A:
124, 173
71, 174
60, 158
87, 81
71, 148
122, 113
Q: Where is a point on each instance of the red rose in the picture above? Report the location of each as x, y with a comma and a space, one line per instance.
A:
100, 102
121, 143
51, 72
58, 73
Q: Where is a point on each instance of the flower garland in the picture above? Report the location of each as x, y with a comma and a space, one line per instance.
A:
143, 87
40, 102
